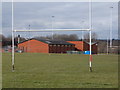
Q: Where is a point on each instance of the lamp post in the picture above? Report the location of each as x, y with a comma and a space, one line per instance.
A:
52, 27
82, 32
107, 46
18, 38
111, 8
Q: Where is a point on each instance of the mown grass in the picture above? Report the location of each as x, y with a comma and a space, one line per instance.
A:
33, 70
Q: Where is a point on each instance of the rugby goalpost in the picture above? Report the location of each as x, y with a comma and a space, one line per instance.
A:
54, 30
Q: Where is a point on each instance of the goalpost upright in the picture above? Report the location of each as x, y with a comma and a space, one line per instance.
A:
13, 54
90, 36
51, 30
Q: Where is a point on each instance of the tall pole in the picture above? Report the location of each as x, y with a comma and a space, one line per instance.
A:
107, 45
18, 38
90, 41
52, 27
13, 54
29, 27
111, 9
82, 32
29, 38
29, 31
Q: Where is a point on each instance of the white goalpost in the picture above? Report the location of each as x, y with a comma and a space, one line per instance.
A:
53, 30
50, 30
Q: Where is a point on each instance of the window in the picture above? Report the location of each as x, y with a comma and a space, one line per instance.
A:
62, 45
50, 45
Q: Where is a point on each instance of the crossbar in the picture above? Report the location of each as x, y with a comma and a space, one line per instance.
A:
51, 30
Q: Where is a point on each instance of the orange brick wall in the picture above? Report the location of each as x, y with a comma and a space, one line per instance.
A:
83, 46
78, 45
34, 46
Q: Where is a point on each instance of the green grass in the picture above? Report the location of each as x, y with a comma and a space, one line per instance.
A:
60, 71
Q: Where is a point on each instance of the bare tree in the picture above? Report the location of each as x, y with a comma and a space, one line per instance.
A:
63, 37
94, 37
73, 37
2, 37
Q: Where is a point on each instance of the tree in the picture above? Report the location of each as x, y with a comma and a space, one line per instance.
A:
93, 37
2, 37
63, 37
8, 40
73, 37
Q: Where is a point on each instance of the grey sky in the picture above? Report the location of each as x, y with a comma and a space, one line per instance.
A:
67, 15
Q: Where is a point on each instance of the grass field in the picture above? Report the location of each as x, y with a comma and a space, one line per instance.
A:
60, 71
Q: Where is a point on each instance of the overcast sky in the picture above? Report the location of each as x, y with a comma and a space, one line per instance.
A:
66, 15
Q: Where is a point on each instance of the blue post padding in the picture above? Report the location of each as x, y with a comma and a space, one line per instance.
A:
86, 52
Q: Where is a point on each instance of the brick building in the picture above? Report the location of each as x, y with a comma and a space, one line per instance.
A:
0, 46
84, 46
45, 46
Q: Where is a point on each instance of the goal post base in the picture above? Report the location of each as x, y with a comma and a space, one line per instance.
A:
90, 69
13, 68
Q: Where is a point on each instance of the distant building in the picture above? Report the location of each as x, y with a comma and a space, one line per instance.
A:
0, 46
0, 43
45, 46
84, 46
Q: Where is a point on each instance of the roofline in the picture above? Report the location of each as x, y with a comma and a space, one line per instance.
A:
26, 41
85, 42
45, 42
